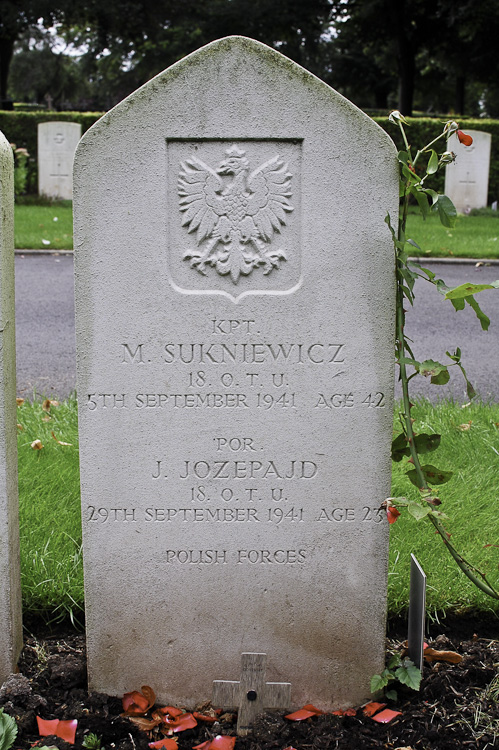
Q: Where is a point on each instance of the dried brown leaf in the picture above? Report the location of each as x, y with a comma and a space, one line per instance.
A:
61, 442
431, 655
19, 401
37, 445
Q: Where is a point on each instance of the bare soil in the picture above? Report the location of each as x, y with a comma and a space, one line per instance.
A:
457, 706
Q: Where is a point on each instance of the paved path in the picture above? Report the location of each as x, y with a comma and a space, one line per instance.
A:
46, 347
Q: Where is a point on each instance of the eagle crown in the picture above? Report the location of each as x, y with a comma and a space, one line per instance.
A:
235, 163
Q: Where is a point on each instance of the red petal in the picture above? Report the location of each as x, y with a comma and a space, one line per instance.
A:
464, 138
220, 742
310, 707
135, 703
47, 727
186, 721
205, 717
392, 514
385, 716
351, 712
338, 712
300, 715
66, 730
171, 712
371, 708
168, 743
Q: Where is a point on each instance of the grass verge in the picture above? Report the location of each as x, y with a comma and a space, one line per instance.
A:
51, 563
48, 226
473, 236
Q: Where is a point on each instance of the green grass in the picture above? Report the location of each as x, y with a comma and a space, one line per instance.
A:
470, 448
44, 226
51, 563
473, 236
49, 510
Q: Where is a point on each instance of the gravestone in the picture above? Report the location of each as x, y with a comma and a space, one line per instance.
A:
235, 337
10, 586
467, 178
57, 143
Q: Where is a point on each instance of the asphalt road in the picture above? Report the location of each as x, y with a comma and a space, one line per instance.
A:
46, 344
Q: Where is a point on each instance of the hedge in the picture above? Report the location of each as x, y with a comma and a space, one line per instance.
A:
21, 128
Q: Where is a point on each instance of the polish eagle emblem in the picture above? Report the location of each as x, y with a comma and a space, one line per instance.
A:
234, 213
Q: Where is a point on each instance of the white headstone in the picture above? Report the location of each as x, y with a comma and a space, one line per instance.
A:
235, 334
10, 586
467, 178
57, 143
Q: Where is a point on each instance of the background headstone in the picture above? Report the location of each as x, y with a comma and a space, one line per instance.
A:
467, 178
235, 333
57, 143
10, 586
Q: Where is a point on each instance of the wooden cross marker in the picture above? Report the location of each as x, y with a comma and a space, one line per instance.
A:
251, 695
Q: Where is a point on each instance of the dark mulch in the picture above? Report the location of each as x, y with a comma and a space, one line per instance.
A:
456, 707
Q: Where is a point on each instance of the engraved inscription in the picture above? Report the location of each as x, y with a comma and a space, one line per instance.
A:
234, 213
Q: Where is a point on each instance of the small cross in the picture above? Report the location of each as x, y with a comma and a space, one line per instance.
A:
251, 695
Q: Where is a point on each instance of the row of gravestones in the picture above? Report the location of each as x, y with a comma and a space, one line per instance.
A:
235, 334
466, 179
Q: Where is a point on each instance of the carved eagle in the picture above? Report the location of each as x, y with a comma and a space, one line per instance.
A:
234, 219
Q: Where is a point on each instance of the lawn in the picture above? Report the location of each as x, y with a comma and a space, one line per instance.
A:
50, 226
51, 561
473, 236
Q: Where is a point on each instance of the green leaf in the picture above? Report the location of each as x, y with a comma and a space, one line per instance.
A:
422, 200
418, 511
391, 695
431, 474
414, 244
400, 448
459, 304
425, 443
378, 682
431, 194
431, 368
408, 674
465, 290
446, 210
484, 320
394, 661
432, 163
411, 176
8, 731
441, 379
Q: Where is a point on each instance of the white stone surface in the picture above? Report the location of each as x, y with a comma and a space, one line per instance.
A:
57, 143
10, 586
235, 425
467, 178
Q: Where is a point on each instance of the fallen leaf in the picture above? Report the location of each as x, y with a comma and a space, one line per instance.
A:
168, 743
431, 655
19, 426
48, 403
19, 401
143, 723
60, 442
385, 716
371, 708
465, 427
137, 703
66, 730
46, 242
220, 742
37, 445
46, 419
